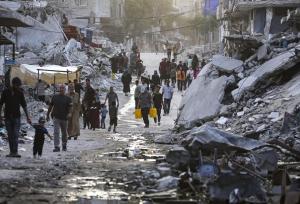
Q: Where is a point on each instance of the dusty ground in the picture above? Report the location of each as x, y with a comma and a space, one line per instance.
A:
96, 168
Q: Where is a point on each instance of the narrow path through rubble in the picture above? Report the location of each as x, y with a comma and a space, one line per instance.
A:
99, 167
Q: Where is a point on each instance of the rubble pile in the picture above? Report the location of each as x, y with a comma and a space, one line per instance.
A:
241, 144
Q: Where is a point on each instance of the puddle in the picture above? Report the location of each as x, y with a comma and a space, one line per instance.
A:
99, 201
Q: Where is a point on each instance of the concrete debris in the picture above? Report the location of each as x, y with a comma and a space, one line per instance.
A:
262, 52
222, 121
208, 138
274, 66
167, 183
226, 64
239, 188
178, 156
209, 106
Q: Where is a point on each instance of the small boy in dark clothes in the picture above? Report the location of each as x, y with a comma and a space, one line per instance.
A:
103, 113
113, 115
39, 137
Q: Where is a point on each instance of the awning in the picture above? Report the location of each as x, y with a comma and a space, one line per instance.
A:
13, 19
5, 41
51, 74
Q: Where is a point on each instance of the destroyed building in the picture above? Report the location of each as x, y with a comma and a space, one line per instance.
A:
250, 22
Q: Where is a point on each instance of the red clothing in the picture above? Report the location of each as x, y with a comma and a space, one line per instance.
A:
163, 66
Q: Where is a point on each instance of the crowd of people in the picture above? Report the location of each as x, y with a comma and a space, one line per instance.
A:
66, 107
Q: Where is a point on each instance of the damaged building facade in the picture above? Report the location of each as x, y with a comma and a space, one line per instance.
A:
250, 20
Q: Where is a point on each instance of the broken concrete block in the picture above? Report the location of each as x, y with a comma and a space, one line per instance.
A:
178, 156
274, 115
257, 100
226, 64
222, 121
206, 95
241, 113
166, 183
164, 171
208, 138
251, 119
266, 160
262, 52
220, 190
261, 128
280, 63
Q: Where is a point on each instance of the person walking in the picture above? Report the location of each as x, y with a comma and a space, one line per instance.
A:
73, 121
158, 103
181, 79
189, 77
169, 49
94, 113
111, 97
167, 93
195, 62
103, 112
155, 80
163, 69
113, 116
139, 68
88, 99
173, 72
39, 137
78, 87
41, 89
13, 98
60, 108
126, 80
137, 93
145, 102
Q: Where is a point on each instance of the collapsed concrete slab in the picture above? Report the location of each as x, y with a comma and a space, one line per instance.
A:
226, 64
202, 100
280, 63
208, 138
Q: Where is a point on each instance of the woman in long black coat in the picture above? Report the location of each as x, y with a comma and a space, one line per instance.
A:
126, 80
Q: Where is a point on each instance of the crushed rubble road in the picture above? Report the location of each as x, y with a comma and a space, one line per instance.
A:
97, 166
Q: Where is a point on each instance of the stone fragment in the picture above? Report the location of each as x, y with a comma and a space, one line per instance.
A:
239, 114
166, 183
178, 156
274, 115
222, 121
261, 128
226, 64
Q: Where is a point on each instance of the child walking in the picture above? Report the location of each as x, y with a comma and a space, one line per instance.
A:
103, 113
39, 137
113, 115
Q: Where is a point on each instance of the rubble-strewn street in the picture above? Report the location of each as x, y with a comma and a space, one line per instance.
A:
129, 101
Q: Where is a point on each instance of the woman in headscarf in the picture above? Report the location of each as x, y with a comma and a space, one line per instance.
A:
73, 121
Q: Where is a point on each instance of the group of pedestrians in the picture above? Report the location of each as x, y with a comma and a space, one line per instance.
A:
119, 63
150, 93
64, 109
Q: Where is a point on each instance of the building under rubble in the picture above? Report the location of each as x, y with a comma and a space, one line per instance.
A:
253, 21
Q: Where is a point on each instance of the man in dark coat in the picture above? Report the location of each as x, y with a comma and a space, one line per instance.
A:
155, 80
89, 99
126, 80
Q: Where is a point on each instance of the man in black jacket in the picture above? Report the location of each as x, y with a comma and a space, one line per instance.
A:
155, 80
